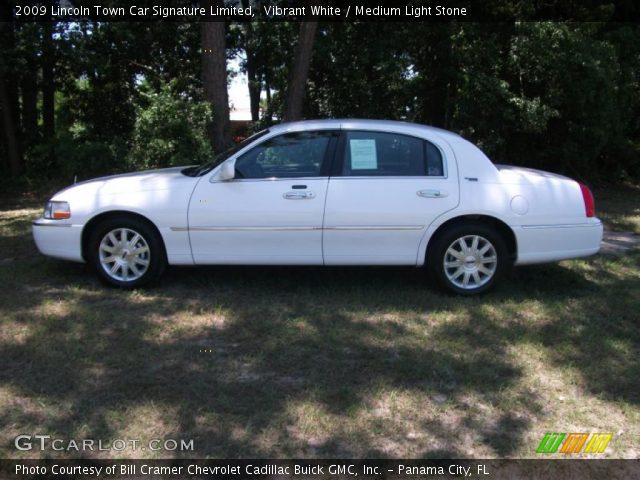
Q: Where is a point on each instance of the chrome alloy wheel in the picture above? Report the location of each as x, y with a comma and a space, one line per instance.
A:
470, 262
124, 255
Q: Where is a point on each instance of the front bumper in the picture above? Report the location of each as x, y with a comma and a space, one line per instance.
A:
57, 239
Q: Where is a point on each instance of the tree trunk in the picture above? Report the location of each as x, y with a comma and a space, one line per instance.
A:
48, 87
9, 127
28, 79
299, 71
267, 87
29, 89
253, 79
254, 85
9, 118
214, 77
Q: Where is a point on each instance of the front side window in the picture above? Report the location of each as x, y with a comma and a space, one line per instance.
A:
390, 154
291, 155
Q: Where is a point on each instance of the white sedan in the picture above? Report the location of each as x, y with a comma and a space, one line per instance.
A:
327, 192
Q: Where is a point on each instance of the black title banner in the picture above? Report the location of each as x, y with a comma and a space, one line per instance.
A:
316, 10
337, 469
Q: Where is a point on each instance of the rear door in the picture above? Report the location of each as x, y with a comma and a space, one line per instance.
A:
386, 190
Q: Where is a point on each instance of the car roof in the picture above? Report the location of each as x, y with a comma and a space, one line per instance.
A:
471, 160
355, 123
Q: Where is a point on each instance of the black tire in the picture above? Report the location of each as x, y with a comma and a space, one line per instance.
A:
154, 253
468, 269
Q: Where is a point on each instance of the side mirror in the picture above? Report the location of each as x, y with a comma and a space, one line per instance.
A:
227, 171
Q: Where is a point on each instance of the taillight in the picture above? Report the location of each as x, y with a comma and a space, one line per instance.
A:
589, 203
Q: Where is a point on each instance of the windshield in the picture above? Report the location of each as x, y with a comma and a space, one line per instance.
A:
221, 157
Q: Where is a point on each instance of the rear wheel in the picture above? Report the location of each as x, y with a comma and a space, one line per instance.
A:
468, 259
126, 252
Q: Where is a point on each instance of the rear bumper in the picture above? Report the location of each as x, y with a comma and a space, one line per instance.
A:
60, 240
550, 243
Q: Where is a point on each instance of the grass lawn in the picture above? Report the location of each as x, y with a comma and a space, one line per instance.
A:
311, 362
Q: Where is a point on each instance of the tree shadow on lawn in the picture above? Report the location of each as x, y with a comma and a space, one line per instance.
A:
301, 358
599, 335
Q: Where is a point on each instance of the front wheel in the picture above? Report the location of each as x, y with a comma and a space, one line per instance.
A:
126, 252
468, 259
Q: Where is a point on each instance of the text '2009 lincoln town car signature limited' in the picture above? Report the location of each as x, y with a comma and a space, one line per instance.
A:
327, 192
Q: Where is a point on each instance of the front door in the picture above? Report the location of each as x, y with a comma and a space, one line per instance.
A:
271, 213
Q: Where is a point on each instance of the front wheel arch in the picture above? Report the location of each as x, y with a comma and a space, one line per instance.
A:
102, 217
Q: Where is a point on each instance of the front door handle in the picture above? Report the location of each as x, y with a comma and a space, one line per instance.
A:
432, 193
298, 195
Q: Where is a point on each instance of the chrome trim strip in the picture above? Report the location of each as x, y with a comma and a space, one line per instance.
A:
285, 228
374, 227
389, 177
563, 225
37, 223
229, 228
335, 177
268, 179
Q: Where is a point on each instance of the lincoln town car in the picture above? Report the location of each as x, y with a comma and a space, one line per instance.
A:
327, 192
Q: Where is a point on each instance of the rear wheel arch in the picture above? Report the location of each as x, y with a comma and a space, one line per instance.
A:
470, 254
501, 227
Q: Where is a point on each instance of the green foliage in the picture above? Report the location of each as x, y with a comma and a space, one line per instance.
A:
348, 80
567, 99
67, 157
170, 129
554, 95
558, 96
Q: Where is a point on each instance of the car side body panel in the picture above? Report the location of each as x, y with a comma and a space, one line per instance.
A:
254, 222
545, 211
160, 196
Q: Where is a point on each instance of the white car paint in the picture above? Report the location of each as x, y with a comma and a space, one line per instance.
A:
342, 220
250, 222
381, 220
162, 196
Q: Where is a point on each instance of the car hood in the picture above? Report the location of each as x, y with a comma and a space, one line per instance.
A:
148, 180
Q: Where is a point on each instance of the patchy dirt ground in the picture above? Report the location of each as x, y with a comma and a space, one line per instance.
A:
619, 243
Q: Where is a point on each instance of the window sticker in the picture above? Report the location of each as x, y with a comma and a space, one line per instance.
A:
363, 154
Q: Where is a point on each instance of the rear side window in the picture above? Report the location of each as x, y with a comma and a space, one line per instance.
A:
391, 155
286, 156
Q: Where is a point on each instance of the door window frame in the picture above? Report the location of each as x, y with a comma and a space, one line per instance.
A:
338, 164
326, 166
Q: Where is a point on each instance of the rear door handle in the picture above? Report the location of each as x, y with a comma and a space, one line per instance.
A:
432, 193
298, 195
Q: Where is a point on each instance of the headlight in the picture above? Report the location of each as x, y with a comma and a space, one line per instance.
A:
57, 210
